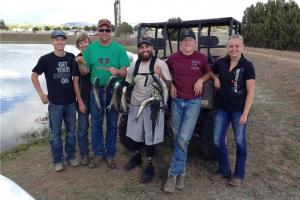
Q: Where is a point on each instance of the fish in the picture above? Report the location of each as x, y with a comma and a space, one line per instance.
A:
157, 92
96, 92
117, 96
113, 99
154, 116
110, 83
124, 100
156, 96
164, 93
143, 106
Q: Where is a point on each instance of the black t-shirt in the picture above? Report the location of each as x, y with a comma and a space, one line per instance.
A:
84, 81
233, 90
57, 71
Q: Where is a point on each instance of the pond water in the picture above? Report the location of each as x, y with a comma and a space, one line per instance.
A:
22, 114
21, 111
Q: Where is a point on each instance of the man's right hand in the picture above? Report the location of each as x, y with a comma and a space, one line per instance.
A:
81, 65
80, 60
82, 107
44, 98
217, 83
173, 91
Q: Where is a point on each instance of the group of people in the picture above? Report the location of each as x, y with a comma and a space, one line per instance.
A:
70, 79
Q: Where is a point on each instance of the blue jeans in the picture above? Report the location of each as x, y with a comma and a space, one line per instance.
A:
58, 114
83, 126
107, 149
222, 121
184, 117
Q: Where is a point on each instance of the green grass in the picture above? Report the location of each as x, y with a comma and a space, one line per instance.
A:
131, 48
35, 139
8, 154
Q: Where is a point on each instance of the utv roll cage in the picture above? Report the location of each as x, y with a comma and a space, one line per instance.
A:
165, 37
205, 41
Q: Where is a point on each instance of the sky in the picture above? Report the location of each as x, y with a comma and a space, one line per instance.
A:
58, 12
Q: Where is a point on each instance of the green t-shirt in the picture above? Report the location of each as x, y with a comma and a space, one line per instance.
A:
99, 58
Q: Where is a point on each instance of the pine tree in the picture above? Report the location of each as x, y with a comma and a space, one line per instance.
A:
275, 24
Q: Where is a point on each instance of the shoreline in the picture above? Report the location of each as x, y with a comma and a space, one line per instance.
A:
30, 38
29, 138
44, 38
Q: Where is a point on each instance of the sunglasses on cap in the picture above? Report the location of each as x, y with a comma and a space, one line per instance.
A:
104, 30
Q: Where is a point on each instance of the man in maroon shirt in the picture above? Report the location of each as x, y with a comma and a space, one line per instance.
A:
189, 70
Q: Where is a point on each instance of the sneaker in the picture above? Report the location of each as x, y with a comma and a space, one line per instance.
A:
95, 162
58, 167
135, 161
147, 174
170, 184
110, 163
180, 182
84, 161
73, 162
235, 181
217, 177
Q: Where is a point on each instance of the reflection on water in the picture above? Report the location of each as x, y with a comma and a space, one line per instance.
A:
13, 91
20, 106
21, 110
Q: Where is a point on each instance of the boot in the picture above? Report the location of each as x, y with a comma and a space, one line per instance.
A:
170, 184
148, 174
135, 161
180, 182
235, 181
96, 161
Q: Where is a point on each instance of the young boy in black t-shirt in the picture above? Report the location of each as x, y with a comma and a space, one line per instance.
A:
56, 67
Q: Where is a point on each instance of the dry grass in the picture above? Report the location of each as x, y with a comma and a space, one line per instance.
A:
273, 152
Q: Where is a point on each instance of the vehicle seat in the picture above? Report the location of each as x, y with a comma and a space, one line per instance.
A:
209, 42
158, 44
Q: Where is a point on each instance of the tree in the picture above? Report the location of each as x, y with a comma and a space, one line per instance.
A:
113, 28
275, 24
35, 29
57, 28
173, 32
125, 29
47, 28
3, 25
136, 27
66, 28
94, 28
87, 28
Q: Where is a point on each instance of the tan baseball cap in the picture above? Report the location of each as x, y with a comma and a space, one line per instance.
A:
103, 22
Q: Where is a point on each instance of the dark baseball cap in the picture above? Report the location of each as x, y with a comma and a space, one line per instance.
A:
57, 33
144, 40
187, 33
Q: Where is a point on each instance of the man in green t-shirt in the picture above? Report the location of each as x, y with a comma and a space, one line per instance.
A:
104, 58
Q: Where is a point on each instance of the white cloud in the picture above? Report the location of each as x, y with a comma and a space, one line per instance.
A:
133, 12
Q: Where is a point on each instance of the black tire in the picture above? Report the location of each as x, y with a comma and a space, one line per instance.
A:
203, 135
122, 126
127, 142
201, 143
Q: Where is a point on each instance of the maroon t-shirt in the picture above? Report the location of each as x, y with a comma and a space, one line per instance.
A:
186, 70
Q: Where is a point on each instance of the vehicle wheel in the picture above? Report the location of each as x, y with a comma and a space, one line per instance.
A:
127, 142
203, 135
122, 126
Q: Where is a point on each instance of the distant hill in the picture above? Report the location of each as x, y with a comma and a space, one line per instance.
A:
78, 24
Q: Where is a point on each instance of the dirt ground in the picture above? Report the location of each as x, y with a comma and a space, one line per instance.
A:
272, 171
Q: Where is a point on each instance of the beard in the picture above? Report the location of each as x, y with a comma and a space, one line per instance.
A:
145, 56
